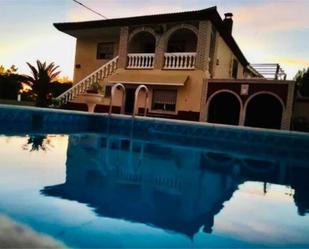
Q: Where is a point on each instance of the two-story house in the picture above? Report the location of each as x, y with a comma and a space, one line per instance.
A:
189, 62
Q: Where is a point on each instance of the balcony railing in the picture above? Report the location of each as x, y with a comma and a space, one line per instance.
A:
179, 60
140, 61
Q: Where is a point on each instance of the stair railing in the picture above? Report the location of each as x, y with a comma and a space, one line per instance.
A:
83, 85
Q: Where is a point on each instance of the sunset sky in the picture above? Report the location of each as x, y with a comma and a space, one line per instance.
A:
274, 31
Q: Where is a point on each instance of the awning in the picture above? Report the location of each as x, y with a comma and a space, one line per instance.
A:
157, 79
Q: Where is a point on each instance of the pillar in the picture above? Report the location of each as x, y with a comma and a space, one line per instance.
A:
287, 113
203, 46
123, 47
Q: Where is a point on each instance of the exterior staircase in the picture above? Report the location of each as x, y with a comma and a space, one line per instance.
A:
82, 86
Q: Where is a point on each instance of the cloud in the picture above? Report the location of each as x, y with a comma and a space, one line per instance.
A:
257, 224
274, 32
58, 49
295, 61
273, 16
266, 16
116, 9
291, 65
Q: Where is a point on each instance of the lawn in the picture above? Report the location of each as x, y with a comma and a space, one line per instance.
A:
15, 102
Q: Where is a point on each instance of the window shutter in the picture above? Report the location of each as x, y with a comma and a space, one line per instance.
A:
165, 97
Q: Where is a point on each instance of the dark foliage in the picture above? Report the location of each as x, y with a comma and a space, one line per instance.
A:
57, 88
302, 82
10, 85
37, 142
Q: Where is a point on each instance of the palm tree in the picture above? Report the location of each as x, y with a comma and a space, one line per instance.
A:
40, 81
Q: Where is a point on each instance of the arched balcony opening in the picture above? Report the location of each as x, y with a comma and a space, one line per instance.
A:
141, 50
182, 41
181, 49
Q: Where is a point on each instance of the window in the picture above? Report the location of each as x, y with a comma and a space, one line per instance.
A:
235, 69
105, 50
164, 100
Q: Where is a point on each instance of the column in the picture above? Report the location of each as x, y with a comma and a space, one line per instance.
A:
159, 52
203, 45
287, 113
123, 47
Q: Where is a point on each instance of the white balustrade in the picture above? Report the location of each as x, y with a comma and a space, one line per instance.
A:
82, 86
179, 60
140, 60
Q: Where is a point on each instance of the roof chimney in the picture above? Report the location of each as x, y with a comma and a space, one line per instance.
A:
228, 22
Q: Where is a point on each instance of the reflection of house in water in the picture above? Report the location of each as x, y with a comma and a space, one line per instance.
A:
152, 184
173, 188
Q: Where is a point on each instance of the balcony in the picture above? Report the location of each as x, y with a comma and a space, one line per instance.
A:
176, 61
140, 61
180, 50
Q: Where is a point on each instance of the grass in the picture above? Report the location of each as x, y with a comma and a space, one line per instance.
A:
15, 102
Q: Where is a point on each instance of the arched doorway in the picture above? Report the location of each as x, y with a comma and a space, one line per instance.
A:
182, 40
264, 111
224, 108
142, 42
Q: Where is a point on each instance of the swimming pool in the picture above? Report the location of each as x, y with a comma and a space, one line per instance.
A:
93, 181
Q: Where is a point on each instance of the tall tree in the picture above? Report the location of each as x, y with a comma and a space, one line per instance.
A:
302, 82
40, 81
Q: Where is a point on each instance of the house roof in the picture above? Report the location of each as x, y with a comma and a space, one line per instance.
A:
204, 14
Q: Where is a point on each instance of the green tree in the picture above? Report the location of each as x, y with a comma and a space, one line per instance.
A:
40, 81
302, 82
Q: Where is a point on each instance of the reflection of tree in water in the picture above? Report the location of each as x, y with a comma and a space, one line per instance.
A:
37, 142
301, 185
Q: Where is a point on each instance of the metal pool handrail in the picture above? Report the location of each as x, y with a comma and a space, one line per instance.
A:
114, 87
138, 89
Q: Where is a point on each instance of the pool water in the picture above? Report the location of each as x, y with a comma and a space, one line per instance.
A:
118, 189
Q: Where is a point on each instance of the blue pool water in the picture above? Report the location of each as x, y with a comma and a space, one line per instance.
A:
93, 181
